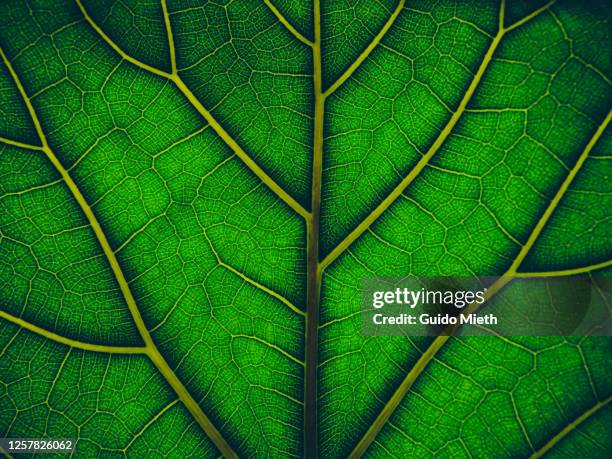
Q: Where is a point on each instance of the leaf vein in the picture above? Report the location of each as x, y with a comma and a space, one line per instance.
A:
367, 51
195, 102
570, 427
446, 131
439, 342
72, 343
151, 348
283, 20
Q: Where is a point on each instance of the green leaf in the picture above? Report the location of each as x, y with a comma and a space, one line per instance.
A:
192, 192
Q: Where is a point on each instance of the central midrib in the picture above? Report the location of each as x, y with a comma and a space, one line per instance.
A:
315, 266
312, 248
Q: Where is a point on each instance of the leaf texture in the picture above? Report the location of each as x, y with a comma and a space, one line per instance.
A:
192, 192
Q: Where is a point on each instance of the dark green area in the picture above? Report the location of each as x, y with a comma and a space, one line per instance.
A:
216, 262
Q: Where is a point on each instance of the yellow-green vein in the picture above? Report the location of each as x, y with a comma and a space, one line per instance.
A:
435, 147
71, 342
283, 20
180, 84
567, 272
250, 281
276, 348
439, 342
550, 444
151, 349
246, 278
171, 48
263, 288
150, 422
529, 17
16, 143
367, 51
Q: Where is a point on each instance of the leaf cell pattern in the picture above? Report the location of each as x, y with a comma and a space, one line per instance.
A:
191, 193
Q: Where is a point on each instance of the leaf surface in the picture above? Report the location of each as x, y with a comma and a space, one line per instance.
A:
192, 192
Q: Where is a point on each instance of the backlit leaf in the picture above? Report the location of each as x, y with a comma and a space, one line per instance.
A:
192, 192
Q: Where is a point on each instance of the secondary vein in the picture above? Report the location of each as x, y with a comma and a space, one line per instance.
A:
570, 428
180, 84
439, 342
16, 143
151, 348
73, 343
436, 146
367, 51
567, 272
283, 20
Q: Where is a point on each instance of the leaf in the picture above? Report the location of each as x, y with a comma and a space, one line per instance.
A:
191, 193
